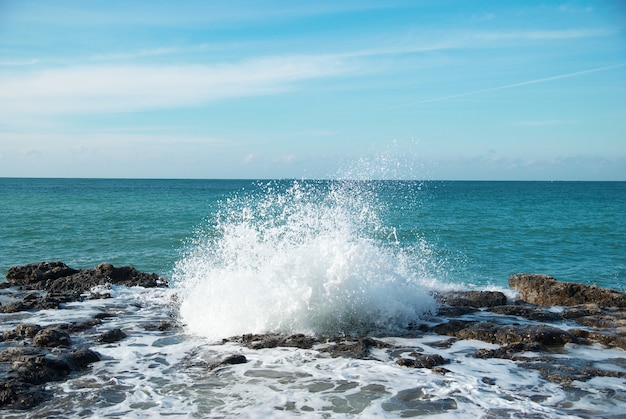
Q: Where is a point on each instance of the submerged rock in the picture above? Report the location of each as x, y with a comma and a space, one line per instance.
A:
475, 299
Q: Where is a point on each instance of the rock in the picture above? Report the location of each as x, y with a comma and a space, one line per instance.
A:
56, 277
229, 360
547, 291
24, 330
51, 338
421, 360
527, 311
35, 275
272, 340
511, 351
22, 387
15, 394
505, 334
234, 359
81, 358
351, 348
476, 299
112, 336
39, 370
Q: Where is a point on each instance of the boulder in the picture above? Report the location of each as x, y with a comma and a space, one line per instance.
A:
112, 336
547, 291
51, 338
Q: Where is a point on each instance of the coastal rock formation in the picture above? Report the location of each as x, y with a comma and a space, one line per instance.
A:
32, 355
530, 331
547, 291
57, 277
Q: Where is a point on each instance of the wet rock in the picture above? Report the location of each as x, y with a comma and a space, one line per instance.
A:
51, 338
56, 277
35, 275
162, 326
15, 394
111, 336
527, 311
351, 348
39, 369
273, 340
420, 360
608, 339
21, 331
511, 351
229, 360
476, 299
235, 359
22, 385
547, 291
506, 334
80, 358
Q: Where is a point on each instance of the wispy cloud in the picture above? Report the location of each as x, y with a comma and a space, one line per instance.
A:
540, 123
514, 85
86, 89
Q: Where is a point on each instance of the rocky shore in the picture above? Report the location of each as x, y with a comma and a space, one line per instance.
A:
530, 331
32, 355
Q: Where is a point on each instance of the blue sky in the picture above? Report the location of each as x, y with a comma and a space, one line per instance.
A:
278, 89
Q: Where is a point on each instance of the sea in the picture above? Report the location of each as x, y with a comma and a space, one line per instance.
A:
341, 257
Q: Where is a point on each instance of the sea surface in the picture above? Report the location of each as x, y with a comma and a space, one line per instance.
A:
320, 257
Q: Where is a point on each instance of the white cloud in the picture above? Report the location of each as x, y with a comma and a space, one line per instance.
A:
88, 89
248, 159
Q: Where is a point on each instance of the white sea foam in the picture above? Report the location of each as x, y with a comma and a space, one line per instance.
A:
308, 258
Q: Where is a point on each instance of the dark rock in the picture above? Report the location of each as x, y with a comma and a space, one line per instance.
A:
51, 338
39, 370
14, 307
420, 360
112, 336
547, 291
15, 394
358, 349
11, 355
234, 359
35, 275
21, 331
229, 360
530, 312
511, 351
272, 340
476, 299
450, 311
608, 339
506, 334
57, 277
162, 326
81, 358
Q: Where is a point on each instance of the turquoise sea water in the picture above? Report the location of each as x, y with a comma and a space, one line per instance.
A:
320, 258
475, 233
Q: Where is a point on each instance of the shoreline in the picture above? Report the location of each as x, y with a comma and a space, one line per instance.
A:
525, 331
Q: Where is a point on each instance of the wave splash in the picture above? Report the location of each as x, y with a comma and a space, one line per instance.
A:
302, 257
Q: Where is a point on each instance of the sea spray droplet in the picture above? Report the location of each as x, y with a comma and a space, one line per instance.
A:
300, 257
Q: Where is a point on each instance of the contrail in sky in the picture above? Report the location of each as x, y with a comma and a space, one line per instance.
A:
510, 86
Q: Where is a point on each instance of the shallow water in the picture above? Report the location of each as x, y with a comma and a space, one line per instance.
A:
166, 373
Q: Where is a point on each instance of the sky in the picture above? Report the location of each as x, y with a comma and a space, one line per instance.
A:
427, 89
